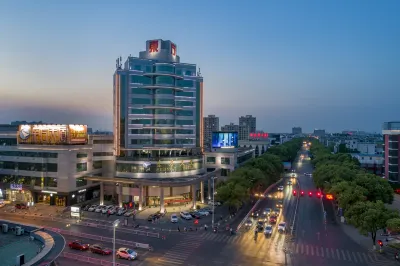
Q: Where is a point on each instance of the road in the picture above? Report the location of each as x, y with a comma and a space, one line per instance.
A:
317, 242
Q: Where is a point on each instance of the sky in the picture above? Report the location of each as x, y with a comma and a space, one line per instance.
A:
332, 65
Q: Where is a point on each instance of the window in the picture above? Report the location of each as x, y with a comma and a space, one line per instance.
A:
103, 141
165, 91
184, 122
164, 102
165, 68
185, 83
394, 145
140, 91
8, 142
184, 141
393, 168
165, 80
184, 113
163, 131
225, 160
211, 160
141, 131
29, 154
184, 103
393, 160
80, 182
140, 141
393, 138
81, 167
184, 93
164, 121
141, 111
393, 153
141, 121
137, 67
97, 164
164, 111
140, 79
184, 131
141, 101
96, 154
149, 69
81, 155
188, 73
178, 72
164, 141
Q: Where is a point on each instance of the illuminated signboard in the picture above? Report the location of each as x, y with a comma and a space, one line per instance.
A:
75, 212
153, 46
259, 135
16, 186
52, 134
173, 49
225, 140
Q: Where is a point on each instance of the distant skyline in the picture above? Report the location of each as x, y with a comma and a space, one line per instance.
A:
332, 65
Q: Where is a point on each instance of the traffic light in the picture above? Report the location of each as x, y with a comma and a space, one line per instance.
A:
380, 243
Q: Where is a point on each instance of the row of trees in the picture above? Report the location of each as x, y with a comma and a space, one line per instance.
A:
361, 195
257, 174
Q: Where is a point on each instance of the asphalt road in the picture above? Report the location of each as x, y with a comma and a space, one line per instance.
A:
320, 243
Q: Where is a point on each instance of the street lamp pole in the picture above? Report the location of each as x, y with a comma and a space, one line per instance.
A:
115, 224
213, 200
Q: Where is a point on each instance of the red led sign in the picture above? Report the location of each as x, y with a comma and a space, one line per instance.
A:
153, 46
173, 49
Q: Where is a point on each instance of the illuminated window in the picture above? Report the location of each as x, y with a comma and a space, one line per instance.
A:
184, 103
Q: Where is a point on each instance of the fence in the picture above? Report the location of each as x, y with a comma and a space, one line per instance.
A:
101, 238
90, 260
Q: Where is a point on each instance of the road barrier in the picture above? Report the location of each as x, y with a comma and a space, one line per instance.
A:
256, 204
293, 225
100, 238
90, 260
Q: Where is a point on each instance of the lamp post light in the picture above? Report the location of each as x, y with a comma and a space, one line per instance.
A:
115, 224
214, 192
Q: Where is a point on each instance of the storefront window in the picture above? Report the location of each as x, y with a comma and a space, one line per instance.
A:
158, 167
81, 167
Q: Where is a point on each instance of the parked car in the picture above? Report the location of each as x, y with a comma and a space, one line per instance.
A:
99, 209
129, 213
210, 211
203, 212
77, 244
86, 208
99, 249
20, 206
126, 253
107, 209
186, 215
121, 211
174, 218
92, 208
195, 214
216, 203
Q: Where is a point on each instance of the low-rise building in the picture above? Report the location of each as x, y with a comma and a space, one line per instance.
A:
373, 163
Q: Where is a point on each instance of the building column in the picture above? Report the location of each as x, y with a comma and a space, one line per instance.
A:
120, 195
162, 207
209, 189
101, 193
202, 191
193, 196
171, 191
140, 197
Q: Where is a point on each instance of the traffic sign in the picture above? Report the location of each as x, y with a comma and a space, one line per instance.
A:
196, 221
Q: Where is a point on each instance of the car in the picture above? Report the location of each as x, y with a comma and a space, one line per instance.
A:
216, 203
107, 209
294, 193
319, 195
20, 206
203, 212
92, 208
268, 230
86, 207
100, 208
129, 213
279, 204
302, 193
99, 249
289, 183
276, 212
255, 213
280, 188
195, 215
151, 217
210, 211
114, 210
267, 211
310, 194
126, 253
260, 225
78, 245
174, 218
186, 216
272, 219
248, 223
282, 227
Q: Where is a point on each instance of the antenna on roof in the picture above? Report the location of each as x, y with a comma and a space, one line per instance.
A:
199, 72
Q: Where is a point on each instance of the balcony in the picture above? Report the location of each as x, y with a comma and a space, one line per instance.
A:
152, 74
162, 87
156, 159
161, 107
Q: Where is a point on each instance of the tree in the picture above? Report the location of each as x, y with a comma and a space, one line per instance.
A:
232, 194
347, 195
393, 224
376, 187
369, 217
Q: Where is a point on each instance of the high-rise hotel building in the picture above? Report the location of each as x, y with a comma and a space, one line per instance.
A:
391, 137
158, 127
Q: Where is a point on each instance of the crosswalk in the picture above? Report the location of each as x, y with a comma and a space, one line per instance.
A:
180, 252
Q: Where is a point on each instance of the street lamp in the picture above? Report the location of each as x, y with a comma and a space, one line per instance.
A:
115, 224
214, 192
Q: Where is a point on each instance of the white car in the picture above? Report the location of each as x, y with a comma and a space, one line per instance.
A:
186, 216
126, 253
92, 208
114, 210
121, 211
129, 213
99, 208
280, 188
203, 212
212, 203
174, 218
268, 230
282, 227
106, 209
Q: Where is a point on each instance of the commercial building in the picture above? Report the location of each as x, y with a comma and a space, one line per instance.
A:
211, 123
158, 129
231, 127
297, 131
247, 124
391, 137
320, 133
47, 163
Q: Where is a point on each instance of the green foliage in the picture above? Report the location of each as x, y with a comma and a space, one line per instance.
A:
257, 174
393, 224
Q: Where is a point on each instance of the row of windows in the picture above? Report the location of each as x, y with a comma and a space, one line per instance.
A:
40, 167
394, 145
393, 138
161, 141
224, 160
95, 154
161, 80
103, 141
393, 153
171, 102
81, 155
163, 111
8, 142
162, 68
162, 122
161, 131
29, 154
29, 180
164, 91
159, 168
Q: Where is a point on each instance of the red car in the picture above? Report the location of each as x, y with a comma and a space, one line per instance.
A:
272, 219
77, 244
96, 248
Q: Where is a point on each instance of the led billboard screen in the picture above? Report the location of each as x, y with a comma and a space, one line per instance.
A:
225, 140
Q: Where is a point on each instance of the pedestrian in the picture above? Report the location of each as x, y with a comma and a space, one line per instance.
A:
179, 229
184, 228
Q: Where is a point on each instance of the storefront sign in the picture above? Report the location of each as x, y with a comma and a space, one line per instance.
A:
49, 192
82, 190
52, 134
75, 212
16, 186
